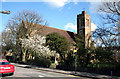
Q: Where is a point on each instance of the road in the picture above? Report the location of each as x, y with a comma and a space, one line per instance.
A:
28, 72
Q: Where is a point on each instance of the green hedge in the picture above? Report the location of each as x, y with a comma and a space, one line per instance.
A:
40, 61
104, 65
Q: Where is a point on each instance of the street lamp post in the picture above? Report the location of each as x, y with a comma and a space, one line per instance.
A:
5, 12
75, 51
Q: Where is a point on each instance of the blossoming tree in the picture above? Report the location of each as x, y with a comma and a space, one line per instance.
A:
36, 45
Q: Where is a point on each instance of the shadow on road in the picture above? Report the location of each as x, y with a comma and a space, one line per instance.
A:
5, 75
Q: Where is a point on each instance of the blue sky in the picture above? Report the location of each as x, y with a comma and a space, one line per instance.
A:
61, 15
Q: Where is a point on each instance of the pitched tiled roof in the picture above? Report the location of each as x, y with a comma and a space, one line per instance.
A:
44, 30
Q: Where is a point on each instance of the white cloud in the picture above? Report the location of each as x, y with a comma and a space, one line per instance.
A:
94, 6
4, 0
93, 27
61, 3
58, 3
71, 27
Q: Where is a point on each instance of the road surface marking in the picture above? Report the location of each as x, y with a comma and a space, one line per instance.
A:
73, 76
41, 76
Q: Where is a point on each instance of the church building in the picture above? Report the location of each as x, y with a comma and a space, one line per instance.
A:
83, 28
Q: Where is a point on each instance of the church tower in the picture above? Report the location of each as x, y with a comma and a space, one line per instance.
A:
84, 27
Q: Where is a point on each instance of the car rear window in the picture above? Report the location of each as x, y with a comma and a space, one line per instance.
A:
4, 63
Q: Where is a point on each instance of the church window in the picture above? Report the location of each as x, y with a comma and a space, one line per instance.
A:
88, 25
80, 31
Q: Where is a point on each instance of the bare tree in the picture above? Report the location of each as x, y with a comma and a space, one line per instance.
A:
107, 33
112, 12
21, 25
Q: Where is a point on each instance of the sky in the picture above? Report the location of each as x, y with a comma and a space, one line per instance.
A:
61, 14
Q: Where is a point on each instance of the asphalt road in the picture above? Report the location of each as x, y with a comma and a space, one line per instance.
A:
29, 73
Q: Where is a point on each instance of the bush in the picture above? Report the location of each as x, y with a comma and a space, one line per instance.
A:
69, 60
104, 65
40, 61
68, 64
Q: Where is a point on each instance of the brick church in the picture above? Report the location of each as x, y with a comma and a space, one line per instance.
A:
83, 27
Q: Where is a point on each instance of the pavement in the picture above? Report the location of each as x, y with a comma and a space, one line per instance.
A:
82, 74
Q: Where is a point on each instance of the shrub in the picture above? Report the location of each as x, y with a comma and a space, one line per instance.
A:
40, 61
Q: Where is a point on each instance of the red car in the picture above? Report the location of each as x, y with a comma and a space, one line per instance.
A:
6, 67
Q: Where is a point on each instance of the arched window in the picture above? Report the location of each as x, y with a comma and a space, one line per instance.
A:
88, 25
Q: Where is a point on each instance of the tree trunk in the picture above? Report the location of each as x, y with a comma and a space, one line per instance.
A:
24, 54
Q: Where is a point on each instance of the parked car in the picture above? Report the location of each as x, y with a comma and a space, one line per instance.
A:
6, 67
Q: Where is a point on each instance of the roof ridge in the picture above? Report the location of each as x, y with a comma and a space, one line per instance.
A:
57, 29
50, 27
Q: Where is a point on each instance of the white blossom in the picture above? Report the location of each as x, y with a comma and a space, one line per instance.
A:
35, 43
